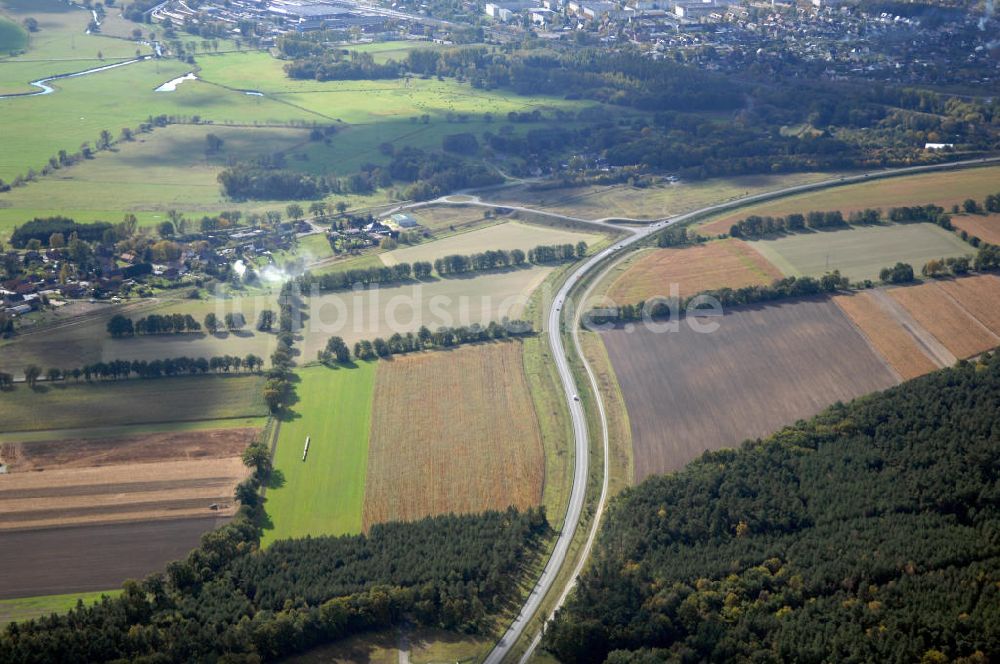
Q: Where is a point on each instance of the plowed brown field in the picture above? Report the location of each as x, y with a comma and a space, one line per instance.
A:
763, 368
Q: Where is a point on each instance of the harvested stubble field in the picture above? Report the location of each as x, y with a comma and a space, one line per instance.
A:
449, 217
764, 367
887, 334
944, 188
78, 559
68, 341
71, 405
979, 295
381, 312
860, 252
123, 492
508, 236
946, 313
701, 267
453, 432
984, 226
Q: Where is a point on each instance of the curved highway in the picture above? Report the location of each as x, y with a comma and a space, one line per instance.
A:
581, 438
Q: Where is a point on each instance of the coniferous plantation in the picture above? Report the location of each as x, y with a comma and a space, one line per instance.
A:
231, 601
868, 534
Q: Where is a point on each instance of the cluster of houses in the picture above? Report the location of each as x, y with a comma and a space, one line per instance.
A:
584, 13
41, 281
278, 16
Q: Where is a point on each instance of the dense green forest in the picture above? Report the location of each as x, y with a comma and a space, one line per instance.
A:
230, 601
868, 534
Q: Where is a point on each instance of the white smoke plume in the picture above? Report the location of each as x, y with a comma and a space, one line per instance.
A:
987, 14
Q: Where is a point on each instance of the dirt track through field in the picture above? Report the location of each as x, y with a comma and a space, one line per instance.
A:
81, 559
763, 368
928, 342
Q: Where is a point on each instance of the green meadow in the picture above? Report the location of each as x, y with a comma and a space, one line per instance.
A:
323, 494
860, 253
60, 46
26, 608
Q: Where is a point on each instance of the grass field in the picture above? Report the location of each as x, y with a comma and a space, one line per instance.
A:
508, 236
860, 252
60, 46
70, 405
945, 313
359, 102
984, 226
166, 169
942, 188
69, 340
453, 432
729, 263
324, 494
598, 202
26, 608
381, 312
887, 334
122, 97
764, 367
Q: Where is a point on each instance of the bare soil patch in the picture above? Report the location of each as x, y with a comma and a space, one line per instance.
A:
763, 368
74, 559
148, 448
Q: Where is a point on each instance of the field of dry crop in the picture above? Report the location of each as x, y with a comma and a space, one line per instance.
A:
887, 334
452, 432
731, 263
947, 319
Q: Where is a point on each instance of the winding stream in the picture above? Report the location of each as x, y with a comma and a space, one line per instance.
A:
45, 89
